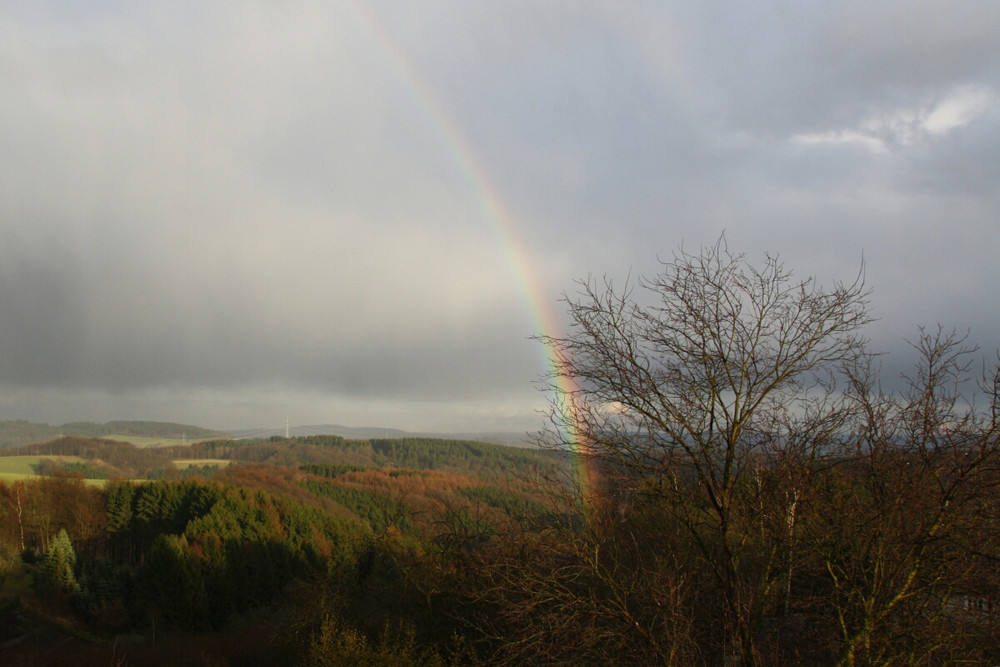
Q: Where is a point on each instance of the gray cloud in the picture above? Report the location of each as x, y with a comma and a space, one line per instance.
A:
223, 214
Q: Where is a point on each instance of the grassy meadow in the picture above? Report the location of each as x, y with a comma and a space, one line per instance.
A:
146, 441
13, 468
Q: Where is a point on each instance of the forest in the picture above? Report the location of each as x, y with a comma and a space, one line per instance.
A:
294, 544
725, 478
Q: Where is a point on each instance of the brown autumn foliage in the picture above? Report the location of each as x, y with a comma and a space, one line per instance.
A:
40, 508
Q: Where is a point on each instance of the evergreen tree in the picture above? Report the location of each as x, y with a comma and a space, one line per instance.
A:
56, 571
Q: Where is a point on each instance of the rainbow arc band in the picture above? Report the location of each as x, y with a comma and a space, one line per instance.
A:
502, 223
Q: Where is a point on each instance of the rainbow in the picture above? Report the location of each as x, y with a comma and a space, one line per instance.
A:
503, 226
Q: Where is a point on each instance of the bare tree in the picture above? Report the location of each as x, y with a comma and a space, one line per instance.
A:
904, 523
709, 388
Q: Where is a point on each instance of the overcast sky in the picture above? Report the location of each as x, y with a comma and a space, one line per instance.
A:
230, 213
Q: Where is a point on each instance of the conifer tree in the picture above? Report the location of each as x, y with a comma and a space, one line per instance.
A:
56, 571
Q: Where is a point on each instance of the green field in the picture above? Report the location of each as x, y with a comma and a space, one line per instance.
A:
143, 441
20, 467
13, 468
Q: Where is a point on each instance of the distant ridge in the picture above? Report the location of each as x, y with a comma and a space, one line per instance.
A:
18, 432
513, 439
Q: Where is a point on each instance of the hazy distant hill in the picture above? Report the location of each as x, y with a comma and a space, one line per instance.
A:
18, 432
513, 439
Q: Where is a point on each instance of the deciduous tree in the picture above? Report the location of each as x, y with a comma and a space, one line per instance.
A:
711, 386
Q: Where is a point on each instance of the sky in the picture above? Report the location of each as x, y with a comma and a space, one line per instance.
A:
231, 214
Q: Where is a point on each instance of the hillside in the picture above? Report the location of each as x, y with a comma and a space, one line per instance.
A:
110, 458
511, 438
247, 551
18, 432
